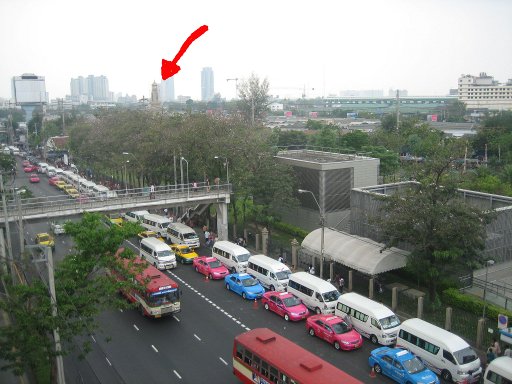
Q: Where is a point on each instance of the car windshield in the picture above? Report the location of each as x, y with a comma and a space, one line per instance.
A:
44, 238
185, 250
189, 236
243, 258
283, 275
331, 296
165, 253
465, 356
390, 322
249, 282
341, 327
291, 301
214, 264
413, 365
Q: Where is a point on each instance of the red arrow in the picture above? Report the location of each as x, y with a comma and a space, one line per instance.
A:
170, 68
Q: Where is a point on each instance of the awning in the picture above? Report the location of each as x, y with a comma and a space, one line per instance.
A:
359, 253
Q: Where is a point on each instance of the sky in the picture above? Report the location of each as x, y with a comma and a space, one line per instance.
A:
320, 47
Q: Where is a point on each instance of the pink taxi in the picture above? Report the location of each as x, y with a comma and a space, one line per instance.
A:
335, 330
210, 266
285, 304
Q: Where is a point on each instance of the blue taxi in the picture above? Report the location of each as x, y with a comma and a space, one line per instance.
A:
401, 365
245, 285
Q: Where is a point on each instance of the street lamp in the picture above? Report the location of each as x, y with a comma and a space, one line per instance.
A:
322, 225
487, 263
126, 178
141, 170
188, 186
227, 166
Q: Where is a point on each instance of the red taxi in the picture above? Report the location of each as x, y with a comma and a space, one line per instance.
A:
34, 178
30, 168
25, 163
335, 330
285, 304
53, 180
210, 266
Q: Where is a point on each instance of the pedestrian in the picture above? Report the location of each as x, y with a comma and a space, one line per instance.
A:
207, 238
211, 238
217, 182
341, 284
152, 191
496, 347
280, 259
194, 186
207, 184
507, 351
490, 354
312, 269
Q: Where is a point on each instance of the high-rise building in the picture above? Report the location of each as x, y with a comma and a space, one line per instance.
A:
484, 93
29, 91
167, 90
207, 90
94, 87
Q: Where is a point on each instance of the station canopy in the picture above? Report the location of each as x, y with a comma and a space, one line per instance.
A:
359, 253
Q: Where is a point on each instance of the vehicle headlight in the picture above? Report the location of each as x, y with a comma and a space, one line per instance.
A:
345, 342
384, 336
459, 372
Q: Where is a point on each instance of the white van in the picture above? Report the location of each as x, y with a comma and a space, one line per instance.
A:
179, 233
272, 274
371, 319
233, 256
158, 253
42, 167
86, 186
135, 216
51, 171
102, 192
499, 371
156, 223
443, 352
316, 294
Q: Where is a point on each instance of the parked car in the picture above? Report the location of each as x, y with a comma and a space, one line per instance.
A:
285, 304
45, 239
183, 253
245, 285
34, 178
210, 266
30, 168
401, 365
335, 330
53, 180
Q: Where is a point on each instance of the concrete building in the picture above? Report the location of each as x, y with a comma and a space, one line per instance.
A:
90, 88
484, 93
207, 88
29, 92
167, 90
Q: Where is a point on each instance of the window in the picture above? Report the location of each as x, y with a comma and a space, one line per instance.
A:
239, 351
497, 378
397, 365
360, 316
387, 359
375, 323
343, 308
248, 357
448, 356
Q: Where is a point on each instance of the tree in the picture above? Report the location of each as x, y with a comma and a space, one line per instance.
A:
253, 98
433, 220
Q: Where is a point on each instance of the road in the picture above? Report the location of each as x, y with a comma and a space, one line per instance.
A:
195, 345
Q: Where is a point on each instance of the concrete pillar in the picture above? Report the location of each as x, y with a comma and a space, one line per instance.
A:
295, 255
480, 333
420, 307
394, 299
331, 270
370, 288
350, 280
257, 246
222, 221
264, 241
448, 319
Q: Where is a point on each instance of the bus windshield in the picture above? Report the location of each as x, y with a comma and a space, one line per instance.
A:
331, 296
157, 299
283, 275
243, 258
465, 356
390, 322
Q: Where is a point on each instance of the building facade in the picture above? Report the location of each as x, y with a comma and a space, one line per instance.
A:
90, 88
207, 88
484, 93
29, 92
167, 90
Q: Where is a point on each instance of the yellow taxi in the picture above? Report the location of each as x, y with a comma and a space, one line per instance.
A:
114, 219
145, 234
184, 254
45, 239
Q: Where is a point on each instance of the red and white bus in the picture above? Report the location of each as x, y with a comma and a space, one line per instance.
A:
158, 295
263, 356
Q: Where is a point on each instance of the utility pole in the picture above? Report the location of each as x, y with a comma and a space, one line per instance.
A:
6, 218
397, 109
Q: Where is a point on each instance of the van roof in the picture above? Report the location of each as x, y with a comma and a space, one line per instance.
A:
237, 249
154, 217
182, 227
357, 300
304, 277
267, 260
155, 243
500, 365
422, 327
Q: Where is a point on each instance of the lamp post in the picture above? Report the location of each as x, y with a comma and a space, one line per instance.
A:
227, 166
188, 186
126, 178
141, 170
487, 263
322, 225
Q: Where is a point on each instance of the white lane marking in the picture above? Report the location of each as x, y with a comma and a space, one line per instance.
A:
108, 361
152, 346
93, 339
197, 337
175, 318
177, 374
224, 361
134, 326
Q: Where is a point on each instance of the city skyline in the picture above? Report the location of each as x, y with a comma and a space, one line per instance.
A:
422, 46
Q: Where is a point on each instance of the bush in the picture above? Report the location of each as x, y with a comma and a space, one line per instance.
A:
473, 304
291, 230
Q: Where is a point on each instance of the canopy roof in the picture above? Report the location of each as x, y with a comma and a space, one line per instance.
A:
359, 253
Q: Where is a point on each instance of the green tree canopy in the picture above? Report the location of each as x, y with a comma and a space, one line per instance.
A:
253, 98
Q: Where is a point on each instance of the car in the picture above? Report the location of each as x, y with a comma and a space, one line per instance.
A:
53, 180
60, 184
57, 228
25, 163
335, 330
210, 266
184, 253
72, 192
401, 365
30, 168
245, 285
285, 304
114, 219
34, 178
146, 234
45, 239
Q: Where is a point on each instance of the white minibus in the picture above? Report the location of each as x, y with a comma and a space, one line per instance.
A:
179, 233
443, 352
233, 256
316, 294
51, 171
371, 319
102, 192
135, 216
272, 274
158, 253
156, 223
42, 167
86, 186
499, 371
66, 176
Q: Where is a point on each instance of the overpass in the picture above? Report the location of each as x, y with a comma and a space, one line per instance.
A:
122, 201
